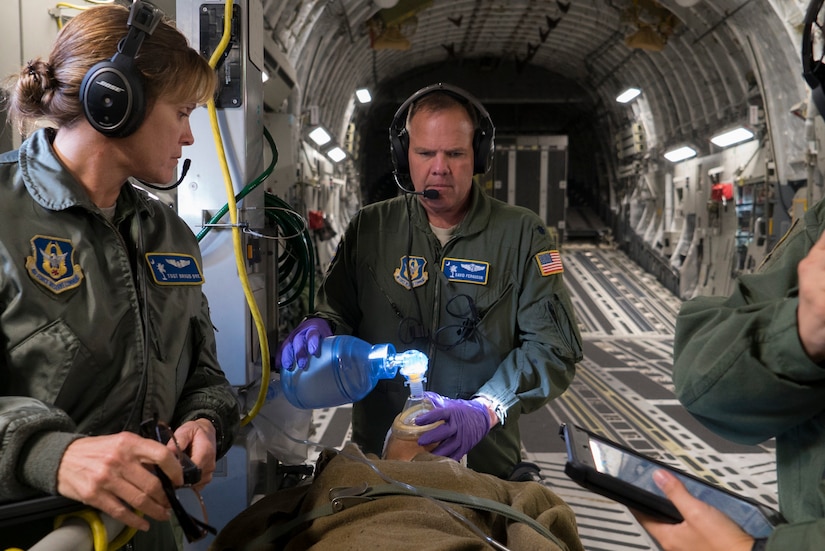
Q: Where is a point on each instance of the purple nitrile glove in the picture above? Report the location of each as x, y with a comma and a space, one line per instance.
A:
303, 341
466, 422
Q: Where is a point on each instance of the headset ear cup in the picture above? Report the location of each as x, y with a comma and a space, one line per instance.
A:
399, 148
112, 97
478, 153
483, 146
819, 100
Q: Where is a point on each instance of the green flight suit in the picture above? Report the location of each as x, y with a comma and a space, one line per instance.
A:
740, 368
520, 346
102, 324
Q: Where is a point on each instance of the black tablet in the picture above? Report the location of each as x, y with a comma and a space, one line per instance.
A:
624, 475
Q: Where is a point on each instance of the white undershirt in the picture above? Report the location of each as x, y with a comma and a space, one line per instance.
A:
443, 234
109, 212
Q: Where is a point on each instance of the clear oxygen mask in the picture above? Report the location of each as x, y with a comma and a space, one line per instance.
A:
402, 439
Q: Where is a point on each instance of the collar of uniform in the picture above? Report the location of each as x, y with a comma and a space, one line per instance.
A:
131, 199
476, 219
51, 185
45, 177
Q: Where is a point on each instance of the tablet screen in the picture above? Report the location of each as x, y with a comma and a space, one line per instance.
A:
638, 471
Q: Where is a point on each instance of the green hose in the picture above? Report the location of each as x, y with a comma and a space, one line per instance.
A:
247, 189
296, 264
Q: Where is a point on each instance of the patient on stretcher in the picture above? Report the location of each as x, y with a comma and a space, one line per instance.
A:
411, 499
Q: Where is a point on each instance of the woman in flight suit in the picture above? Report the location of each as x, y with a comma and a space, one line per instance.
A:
103, 322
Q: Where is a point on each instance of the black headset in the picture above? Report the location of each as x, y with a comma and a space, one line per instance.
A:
483, 138
112, 92
812, 68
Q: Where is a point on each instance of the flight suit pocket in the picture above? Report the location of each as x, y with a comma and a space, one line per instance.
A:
563, 324
41, 364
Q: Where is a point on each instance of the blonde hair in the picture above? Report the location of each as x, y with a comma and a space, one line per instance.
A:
49, 90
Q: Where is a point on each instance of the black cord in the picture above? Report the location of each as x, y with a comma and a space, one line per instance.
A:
423, 333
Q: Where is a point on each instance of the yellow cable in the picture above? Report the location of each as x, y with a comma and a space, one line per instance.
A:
124, 537
100, 538
75, 7
65, 5
236, 231
72, 6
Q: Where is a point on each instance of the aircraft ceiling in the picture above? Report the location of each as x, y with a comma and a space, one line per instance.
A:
701, 64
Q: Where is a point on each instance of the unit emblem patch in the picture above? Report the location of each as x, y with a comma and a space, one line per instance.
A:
174, 269
411, 272
466, 271
52, 264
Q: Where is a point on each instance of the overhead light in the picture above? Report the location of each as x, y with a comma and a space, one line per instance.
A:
320, 136
731, 137
363, 95
264, 76
628, 95
680, 154
336, 154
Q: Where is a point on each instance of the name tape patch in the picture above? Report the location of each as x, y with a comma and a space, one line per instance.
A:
174, 269
466, 271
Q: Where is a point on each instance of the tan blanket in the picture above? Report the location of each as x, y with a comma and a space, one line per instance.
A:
402, 522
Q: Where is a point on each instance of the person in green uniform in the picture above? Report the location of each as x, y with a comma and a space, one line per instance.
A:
103, 322
750, 367
474, 283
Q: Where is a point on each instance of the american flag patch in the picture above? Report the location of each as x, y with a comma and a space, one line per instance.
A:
549, 263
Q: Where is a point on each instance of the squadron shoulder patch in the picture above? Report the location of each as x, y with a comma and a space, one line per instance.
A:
52, 264
174, 269
411, 272
549, 263
466, 271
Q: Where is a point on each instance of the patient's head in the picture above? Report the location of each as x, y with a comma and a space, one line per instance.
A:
402, 439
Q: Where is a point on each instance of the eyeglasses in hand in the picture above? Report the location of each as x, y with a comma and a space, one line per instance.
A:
194, 528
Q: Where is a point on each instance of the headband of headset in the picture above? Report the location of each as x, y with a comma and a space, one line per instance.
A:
813, 69
483, 137
112, 92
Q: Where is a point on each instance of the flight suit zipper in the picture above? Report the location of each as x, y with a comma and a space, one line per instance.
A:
137, 279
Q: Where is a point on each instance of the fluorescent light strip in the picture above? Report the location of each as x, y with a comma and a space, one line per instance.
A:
363, 95
731, 137
336, 154
320, 136
680, 154
628, 95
